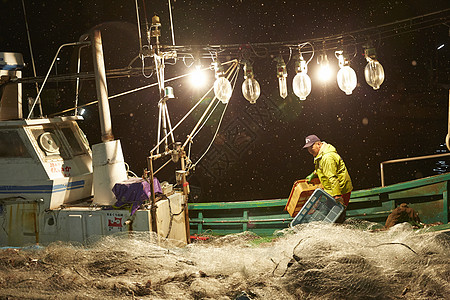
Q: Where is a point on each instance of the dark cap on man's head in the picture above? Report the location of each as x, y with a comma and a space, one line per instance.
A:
310, 140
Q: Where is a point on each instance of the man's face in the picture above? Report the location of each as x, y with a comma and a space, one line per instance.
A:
314, 148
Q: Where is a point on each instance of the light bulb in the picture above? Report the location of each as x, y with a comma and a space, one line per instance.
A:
251, 90
325, 73
325, 70
250, 87
222, 89
282, 74
302, 85
346, 79
283, 87
198, 77
374, 73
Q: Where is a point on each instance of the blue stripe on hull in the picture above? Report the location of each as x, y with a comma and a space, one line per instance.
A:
41, 189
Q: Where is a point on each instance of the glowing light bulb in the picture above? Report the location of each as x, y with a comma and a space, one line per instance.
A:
282, 84
222, 89
251, 90
325, 70
282, 74
346, 76
222, 86
374, 74
198, 77
250, 87
301, 83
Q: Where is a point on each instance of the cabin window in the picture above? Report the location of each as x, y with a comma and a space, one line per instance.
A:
11, 145
72, 140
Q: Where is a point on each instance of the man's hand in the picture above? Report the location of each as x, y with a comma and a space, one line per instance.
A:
339, 199
310, 177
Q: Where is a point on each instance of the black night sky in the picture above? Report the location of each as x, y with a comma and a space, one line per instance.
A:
258, 151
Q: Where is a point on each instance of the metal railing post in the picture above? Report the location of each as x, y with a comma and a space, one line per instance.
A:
405, 160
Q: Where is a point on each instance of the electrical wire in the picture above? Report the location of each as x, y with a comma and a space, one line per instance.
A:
206, 120
120, 94
220, 120
333, 41
212, 111
188, 113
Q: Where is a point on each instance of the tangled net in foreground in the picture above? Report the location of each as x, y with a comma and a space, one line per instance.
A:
311, 261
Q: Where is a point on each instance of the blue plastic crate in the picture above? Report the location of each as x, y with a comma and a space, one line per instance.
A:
320, 206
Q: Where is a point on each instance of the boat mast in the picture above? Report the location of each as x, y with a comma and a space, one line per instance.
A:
101, 87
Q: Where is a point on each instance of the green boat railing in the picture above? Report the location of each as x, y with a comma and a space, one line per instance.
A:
428, 196
262, 217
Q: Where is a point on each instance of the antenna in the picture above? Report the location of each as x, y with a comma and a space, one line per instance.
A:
32, 59
171, 23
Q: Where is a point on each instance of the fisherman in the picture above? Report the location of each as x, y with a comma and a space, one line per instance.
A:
331, 171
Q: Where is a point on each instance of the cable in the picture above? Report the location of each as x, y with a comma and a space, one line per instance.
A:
206, 120
220, 121
172, 215
120, 94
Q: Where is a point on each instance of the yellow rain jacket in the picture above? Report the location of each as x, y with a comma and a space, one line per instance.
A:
331, 170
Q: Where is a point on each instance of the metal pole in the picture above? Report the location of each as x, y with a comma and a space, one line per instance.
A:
139, 26
152, 196
101, 86
77, 89
32, 58
186, 194
447, 138
171, 24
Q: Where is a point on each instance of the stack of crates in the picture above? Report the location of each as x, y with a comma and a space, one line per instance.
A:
301, 191
320, 207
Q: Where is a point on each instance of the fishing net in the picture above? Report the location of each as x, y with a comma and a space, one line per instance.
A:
310, 261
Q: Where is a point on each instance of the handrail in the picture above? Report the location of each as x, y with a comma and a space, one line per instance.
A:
49, 70
405, 160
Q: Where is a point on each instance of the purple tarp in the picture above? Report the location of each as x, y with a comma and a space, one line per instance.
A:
134, 191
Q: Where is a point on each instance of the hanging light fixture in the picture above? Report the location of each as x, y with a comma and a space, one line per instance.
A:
198, 77
373, 72
222, 86
250, 87
301, 83
325, 70
346, 76
282, 74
